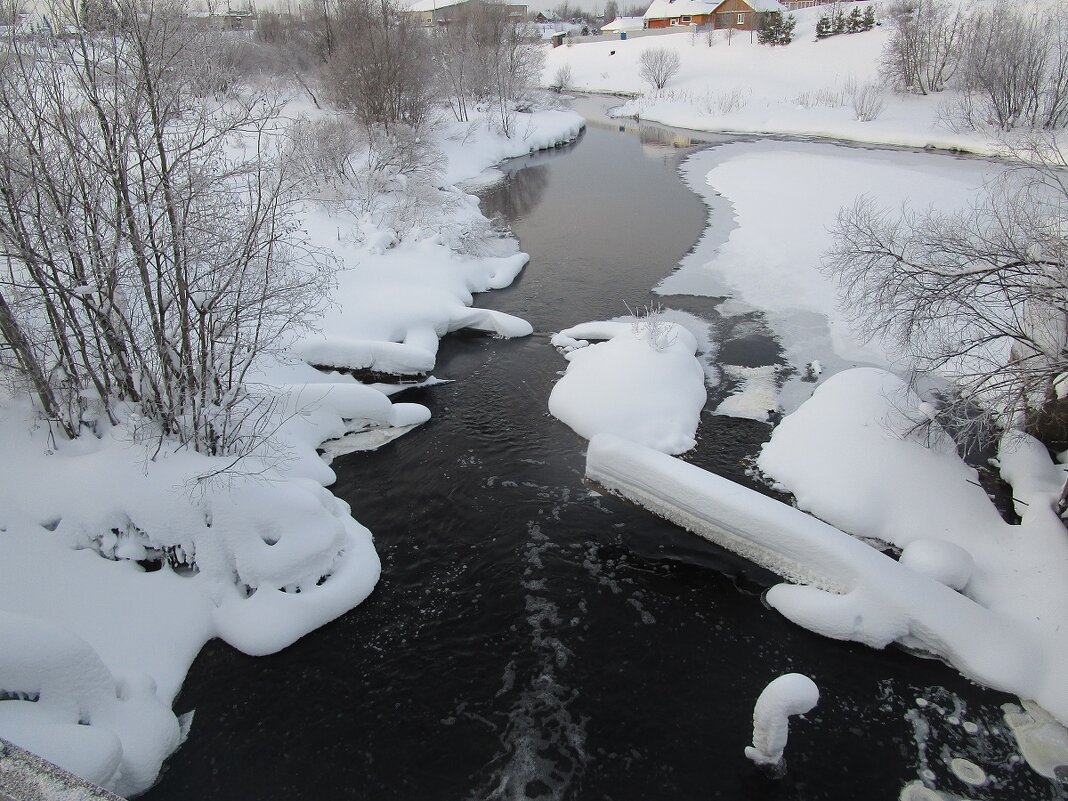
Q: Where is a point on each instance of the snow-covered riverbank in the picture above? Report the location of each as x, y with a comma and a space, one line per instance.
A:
95, 649
805, 89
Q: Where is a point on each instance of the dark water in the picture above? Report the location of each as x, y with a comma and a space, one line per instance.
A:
532, 639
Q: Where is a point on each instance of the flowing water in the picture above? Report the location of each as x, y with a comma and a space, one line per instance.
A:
532, 639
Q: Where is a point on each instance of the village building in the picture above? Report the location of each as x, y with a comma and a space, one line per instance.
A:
623, 25
738, 14
228, 20
671, 13
744, 15
431, 13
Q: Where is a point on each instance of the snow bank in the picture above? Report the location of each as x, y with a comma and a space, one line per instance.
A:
642, 383
771, 258
852, 456
844, 588
118, 560
789, 694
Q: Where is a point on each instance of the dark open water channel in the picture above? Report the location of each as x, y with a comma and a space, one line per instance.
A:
531, 639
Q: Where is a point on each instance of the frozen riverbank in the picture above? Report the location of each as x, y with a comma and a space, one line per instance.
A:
95, 649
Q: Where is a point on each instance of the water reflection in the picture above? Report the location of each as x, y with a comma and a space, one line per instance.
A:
521, 193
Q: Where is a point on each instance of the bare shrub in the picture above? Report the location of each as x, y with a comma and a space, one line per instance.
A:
724, 102
869, 101
977, 295
1014, 70
658, 65
561, 78
648, 323
149, 264
825, 97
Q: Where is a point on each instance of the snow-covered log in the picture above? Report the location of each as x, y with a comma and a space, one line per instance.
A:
843, 587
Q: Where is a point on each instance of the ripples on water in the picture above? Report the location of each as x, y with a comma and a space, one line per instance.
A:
532, 639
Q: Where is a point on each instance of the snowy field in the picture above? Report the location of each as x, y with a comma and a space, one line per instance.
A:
806, 88
95, 649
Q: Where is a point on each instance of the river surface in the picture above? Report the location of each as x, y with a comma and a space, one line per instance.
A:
533, 639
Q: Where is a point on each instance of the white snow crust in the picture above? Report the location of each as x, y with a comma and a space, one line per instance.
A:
772, 255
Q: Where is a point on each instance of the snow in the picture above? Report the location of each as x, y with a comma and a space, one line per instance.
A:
943, 561
1043, 741
789, 694
967, 771
95, 646
643, 382
757, 395
806, 88
1002, 633
852, 456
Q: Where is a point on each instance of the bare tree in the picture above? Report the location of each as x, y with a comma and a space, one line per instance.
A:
381, 70
455, 50
925, 42
611, 10
509, 62
979, 295
658, 65
1014, 70
11, 12
146, 266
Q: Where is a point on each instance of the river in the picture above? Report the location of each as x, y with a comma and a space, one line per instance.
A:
533, 639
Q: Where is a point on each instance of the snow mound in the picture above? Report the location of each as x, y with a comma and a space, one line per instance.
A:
76, 713
643, 383
789, 694
943, 561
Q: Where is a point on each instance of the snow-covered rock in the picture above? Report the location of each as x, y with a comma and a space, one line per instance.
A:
642, 382
789, 694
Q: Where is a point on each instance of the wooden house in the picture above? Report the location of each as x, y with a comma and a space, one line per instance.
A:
743, 15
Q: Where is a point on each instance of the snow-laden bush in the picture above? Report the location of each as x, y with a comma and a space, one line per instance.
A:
648, 324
